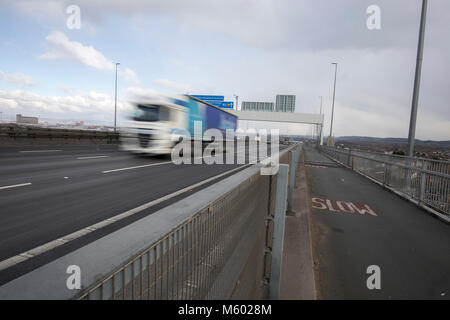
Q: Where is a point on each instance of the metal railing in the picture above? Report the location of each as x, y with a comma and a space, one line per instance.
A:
440, 166
425, 182
203, 257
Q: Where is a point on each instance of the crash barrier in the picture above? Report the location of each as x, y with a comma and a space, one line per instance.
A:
13, 134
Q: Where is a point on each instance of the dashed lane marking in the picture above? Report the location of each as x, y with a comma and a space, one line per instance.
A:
16, 186
137, 167
92, 157
35, 151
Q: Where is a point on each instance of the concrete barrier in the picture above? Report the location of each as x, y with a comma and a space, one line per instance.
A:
13, 134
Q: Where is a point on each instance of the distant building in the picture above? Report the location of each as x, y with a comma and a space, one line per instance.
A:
285, 103
26, 120
257, 106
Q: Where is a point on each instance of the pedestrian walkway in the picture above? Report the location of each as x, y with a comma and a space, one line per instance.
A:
358, 228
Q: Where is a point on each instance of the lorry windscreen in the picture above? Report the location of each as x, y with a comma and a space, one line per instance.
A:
150, 112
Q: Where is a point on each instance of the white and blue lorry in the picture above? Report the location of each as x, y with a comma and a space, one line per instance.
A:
156, 124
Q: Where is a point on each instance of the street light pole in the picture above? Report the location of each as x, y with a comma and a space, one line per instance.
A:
321, 100
415, 100
332, 108
321, 125
237, 97
115, 102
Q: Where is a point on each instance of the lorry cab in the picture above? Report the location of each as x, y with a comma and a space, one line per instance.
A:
151, 126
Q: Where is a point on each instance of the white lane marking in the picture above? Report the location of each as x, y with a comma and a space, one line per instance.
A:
153, 164
30, 151
77, 234
16, 186
93, 157
143, 166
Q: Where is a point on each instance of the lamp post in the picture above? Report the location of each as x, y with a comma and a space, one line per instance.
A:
415, 99
321, 125
237, 99
332, 107
115, 102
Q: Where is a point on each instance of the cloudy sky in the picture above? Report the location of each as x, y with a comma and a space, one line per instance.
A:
252, 48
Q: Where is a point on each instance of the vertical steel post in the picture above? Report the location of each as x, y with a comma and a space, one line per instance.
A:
349, 157
422, 184
115, 102
415, 100
332, 107
321, 125
292, 174
278, 233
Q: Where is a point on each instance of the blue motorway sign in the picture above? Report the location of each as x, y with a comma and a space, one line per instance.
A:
226, 104
217, 101
209, 98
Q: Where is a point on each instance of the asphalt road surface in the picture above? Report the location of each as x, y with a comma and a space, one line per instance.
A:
357, 224
48, 192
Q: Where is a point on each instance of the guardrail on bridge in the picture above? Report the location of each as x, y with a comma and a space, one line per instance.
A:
423, 181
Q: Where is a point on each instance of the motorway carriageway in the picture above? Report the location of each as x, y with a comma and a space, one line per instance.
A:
50, 192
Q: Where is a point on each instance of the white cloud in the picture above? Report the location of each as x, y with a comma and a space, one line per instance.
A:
172, 85
269, 24
130, 76
19, 79
83, 105
8, 103
135, 93
63, 48
41, 10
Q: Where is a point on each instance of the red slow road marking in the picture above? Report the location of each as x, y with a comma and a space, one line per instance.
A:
342, 206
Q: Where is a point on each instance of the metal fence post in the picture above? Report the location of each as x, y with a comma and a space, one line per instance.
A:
349, 156
292, 173
299, 150
352, 160
422, 184
385, 174
278, 233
